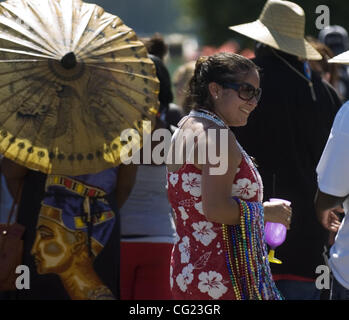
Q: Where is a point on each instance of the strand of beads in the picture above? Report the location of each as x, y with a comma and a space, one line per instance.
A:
211, 116
229, 261
252, 252
245, 253
265, 278
235, 235
266, 284
239, 255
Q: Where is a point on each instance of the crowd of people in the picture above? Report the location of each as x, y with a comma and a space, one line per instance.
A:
186, 230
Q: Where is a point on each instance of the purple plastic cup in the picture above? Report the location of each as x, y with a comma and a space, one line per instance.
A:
275, 233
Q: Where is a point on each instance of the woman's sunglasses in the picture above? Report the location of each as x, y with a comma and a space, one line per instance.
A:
245, 90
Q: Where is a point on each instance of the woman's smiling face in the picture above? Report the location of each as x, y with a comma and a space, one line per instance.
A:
230, 107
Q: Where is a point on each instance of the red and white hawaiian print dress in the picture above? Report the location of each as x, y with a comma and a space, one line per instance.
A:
198, 263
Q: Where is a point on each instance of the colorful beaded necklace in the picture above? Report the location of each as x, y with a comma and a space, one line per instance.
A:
244, 247
245, 253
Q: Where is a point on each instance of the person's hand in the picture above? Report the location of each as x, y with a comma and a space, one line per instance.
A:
277, 212
329, 219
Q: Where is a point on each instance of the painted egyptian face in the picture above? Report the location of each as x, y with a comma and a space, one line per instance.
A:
53, 247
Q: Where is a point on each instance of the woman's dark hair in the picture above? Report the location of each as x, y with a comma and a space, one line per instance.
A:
156, 45
219, 68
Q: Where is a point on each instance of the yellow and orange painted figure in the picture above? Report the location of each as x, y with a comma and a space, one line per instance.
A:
62, 251
74, 224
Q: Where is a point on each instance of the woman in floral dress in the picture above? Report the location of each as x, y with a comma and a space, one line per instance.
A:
220, 251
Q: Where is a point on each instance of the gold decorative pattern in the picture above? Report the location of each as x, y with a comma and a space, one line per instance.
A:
72, 78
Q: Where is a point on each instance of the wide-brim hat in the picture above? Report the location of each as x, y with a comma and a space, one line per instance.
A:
341, 58
281, 26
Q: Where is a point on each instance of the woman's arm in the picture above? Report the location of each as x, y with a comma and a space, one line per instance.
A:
217, 202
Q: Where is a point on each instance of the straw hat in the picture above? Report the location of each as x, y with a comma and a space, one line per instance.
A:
281, 26
341, 58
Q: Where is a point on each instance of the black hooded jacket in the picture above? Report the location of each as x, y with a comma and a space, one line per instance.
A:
286, 134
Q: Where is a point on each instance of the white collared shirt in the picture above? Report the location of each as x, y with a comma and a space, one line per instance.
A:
333, 179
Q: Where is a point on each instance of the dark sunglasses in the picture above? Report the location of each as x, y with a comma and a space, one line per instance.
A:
245, 90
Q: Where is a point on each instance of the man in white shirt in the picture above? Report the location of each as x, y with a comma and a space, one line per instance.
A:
333, 183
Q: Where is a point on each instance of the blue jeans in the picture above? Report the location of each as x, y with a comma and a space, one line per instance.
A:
338, 292
298, 290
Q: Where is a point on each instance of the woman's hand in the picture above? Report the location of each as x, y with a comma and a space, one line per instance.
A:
277, 212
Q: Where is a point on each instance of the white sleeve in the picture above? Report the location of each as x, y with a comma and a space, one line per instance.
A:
333, 168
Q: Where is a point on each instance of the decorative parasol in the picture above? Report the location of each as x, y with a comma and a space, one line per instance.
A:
72, 78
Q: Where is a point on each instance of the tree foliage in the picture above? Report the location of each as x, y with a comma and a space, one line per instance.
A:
215, 16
